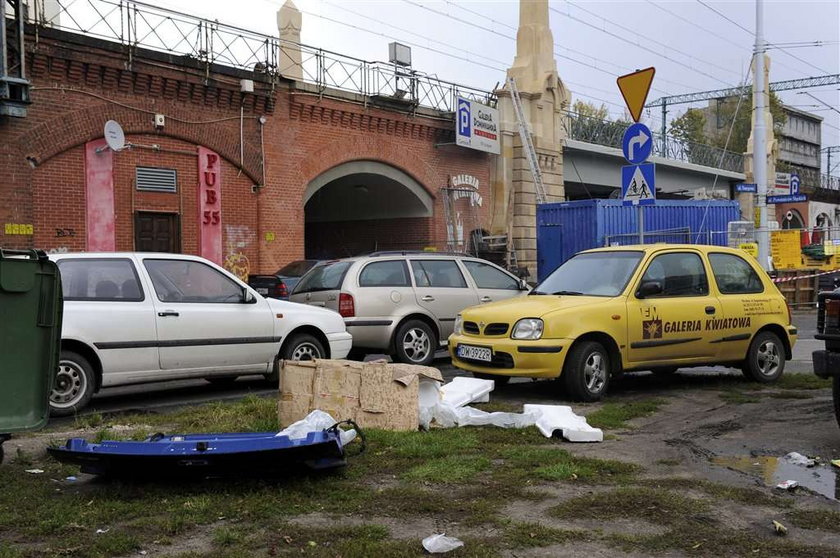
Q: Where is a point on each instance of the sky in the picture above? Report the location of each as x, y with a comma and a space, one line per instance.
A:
695, 45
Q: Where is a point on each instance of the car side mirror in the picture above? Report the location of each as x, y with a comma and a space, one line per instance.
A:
249, 297
523, 285
649, 288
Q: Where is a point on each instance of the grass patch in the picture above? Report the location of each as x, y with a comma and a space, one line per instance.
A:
738, 397
656, 505
531, 535
742, 495
824, 520
228, 536
800, 381
615, 415
787, 394
554, 464
452, 469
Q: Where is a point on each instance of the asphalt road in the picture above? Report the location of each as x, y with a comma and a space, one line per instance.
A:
161, 396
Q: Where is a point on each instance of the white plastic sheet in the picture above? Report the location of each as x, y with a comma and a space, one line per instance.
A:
438, 544
316, 421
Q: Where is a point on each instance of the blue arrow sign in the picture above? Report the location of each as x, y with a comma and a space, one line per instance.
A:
637, 143
638, 184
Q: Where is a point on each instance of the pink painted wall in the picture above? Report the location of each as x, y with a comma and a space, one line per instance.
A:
99, 193
209, 205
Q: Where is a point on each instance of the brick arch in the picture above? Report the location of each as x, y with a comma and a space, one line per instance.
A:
67, 131
367, 148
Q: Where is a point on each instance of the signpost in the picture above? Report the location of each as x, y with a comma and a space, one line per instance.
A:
746, 188
477, 126
638, 180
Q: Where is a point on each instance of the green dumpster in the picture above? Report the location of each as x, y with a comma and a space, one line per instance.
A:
30, 339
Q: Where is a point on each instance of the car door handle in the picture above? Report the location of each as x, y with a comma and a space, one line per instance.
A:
166, 313
710, 310
427, 298
486, 299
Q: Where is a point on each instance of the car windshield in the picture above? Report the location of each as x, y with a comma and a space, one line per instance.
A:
591, 274
323, 277
297, 268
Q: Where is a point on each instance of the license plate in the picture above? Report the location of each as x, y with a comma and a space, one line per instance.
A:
262, 290
475, 353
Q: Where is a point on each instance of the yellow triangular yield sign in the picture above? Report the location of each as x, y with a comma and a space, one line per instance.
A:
634, 88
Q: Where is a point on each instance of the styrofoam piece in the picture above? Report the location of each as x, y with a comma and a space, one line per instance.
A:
572, 427
315, 421
428, 398
470, 416
463, 391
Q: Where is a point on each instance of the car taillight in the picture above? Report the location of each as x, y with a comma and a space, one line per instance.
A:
281, 291
346, 305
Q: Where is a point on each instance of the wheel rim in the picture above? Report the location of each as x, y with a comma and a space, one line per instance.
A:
306, 351
594, 372
416, 344
69, 386
768, 358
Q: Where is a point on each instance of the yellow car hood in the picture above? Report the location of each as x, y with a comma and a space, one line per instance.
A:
531, 306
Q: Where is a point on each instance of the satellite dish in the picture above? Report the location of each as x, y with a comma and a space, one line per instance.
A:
114, 136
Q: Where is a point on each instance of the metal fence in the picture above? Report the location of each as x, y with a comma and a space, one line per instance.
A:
138, 25
610, 134
672, 236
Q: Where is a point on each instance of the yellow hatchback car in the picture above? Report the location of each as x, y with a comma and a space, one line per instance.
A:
656, 307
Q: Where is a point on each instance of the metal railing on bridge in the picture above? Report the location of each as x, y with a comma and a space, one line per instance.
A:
609, 133
138, 25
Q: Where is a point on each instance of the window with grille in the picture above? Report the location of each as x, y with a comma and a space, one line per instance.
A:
153, 179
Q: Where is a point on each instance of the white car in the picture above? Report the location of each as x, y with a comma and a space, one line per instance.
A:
133, 318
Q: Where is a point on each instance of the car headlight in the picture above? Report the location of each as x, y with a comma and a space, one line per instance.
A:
528, 328
458, 328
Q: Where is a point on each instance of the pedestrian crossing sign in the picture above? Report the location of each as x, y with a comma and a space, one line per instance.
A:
638, 184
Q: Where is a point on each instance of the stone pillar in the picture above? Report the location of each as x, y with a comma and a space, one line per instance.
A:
289, 21
747, 200
545, 100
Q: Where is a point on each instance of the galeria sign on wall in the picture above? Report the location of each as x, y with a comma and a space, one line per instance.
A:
477, 126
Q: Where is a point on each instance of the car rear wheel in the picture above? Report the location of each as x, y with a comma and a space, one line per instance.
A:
415, 343
765, 361
586, 373
73, 386
499, 379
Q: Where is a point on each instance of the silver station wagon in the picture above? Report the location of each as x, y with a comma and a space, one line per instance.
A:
404, 303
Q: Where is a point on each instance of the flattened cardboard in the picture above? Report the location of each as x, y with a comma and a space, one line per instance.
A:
374, 394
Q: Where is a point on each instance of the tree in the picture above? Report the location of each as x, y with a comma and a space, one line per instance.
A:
690, 127
585, 108
592, 124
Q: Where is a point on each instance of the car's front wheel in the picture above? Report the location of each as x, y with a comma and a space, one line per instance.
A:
765, 358
586, 373
73, 386
415, 343
300, 346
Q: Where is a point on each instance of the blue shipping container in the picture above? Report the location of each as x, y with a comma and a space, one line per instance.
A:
563, 229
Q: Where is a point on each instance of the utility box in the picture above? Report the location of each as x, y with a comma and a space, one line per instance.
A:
565, 228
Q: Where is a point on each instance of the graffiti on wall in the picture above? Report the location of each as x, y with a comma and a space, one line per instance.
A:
238, 239
61, 233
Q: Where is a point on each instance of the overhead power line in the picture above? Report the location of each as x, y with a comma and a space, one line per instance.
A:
670, 47
724, 16
733, 91
638, 45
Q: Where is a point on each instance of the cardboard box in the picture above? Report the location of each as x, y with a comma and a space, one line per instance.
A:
374, 394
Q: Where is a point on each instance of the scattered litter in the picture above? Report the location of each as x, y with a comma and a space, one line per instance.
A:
142, 553
788, 485
780, 529
102, 531
462, 391
561, 418
799, 459
35, 471
316, 421
438, 544
71, 479
836, 462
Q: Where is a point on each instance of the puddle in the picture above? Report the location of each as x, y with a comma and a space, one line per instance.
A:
821, 479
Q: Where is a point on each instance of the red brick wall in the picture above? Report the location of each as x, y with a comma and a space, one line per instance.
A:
78, 87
